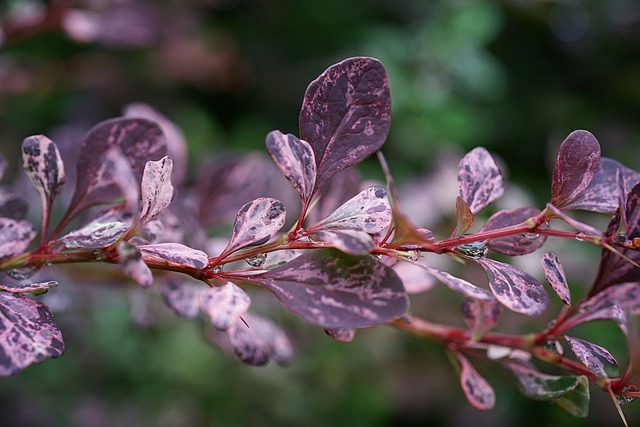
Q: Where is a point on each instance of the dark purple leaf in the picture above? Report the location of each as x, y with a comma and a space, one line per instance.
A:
554, 273
596, 358
539, 386
95, 235
333, 290
481, 315
577, 163
224, 305
157, 190
256, 223
341, 334
12, 205
28, 333
174, 255
602, 193
132, 264
464, 217
476, 389
42, 163
354, 242
182, 297
32, 288
515, 289
139, 140
296, 161
479, 179
461, 286
345, 114
15, 236
514, 245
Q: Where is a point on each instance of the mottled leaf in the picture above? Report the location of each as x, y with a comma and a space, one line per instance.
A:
256, 223
341, 334
461, 286
28, 333
479, 179
296, 160
157, 190
117, 169
132, 264
514, 245
174, 255
32, 288
602, 193
333, 290
537, 385
224, 304
611, 303
481, 315
345, 114
476, 389
139, 140
182, 296
596, 358
514, 288
95, 235
15, 236
577, 163
354, 242
554, 274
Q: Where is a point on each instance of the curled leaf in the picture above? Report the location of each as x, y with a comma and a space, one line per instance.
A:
32, 288
296, 160
479, 179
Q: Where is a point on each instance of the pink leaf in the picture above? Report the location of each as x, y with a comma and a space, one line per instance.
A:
224, 305
28, 333
117, 169
515, 289
611, 303
461, 286
514, 245
32, 288
577, 163
174, 255
554, 273
341, 334
334, 290
133, 265
157, 190
295, 159
481, 315
15, 236
354, 242
95, 235
476, 389
183, 297
479, 179
596, 358
256, 223
415, 278
345, 114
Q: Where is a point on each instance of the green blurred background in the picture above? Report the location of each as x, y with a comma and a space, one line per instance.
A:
514, 76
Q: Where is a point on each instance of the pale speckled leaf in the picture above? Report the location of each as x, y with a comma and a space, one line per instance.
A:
256, 223
15, 236
577, 163
28, 333
224, 304
95, 235
514, 288
296, 160
540, 386
32, 288
181, 296
345, 114
514, 245
596, 358
354, 242
612, 303
461, 286
341, 334
132, 264
139, 140
602, 193
479, 179
554, 274
334, 290
175, 255
476, 389
368, 211
156, 189
481, 316
42, 162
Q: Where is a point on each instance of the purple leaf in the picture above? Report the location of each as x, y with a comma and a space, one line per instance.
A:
157, 190
12, 205
611, 303
479, 179
116, 168
256, 223
32, 288
43, 164
515, 245
224, 305
28, 333
341, 334
602, 193
132, 264
515, 289
476, 389
354, 242
596, 358
333, 290
175, 255
15, 236
345, 114
461, 286
415, 278
296, 160
139, 140
577, 163
539, 386
336, 191
481, 316
95, 235
182, 297
554, 273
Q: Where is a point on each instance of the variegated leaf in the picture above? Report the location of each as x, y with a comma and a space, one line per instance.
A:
296, 160
596, 358
15, 236
514, 245
32, 288
95, 235
182, 296
354, 242
554, 273
479, 179
224, 304
477, 390
132, 264
175, 255
157, 190
480, 315
341, 334
461, 286
42, 163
